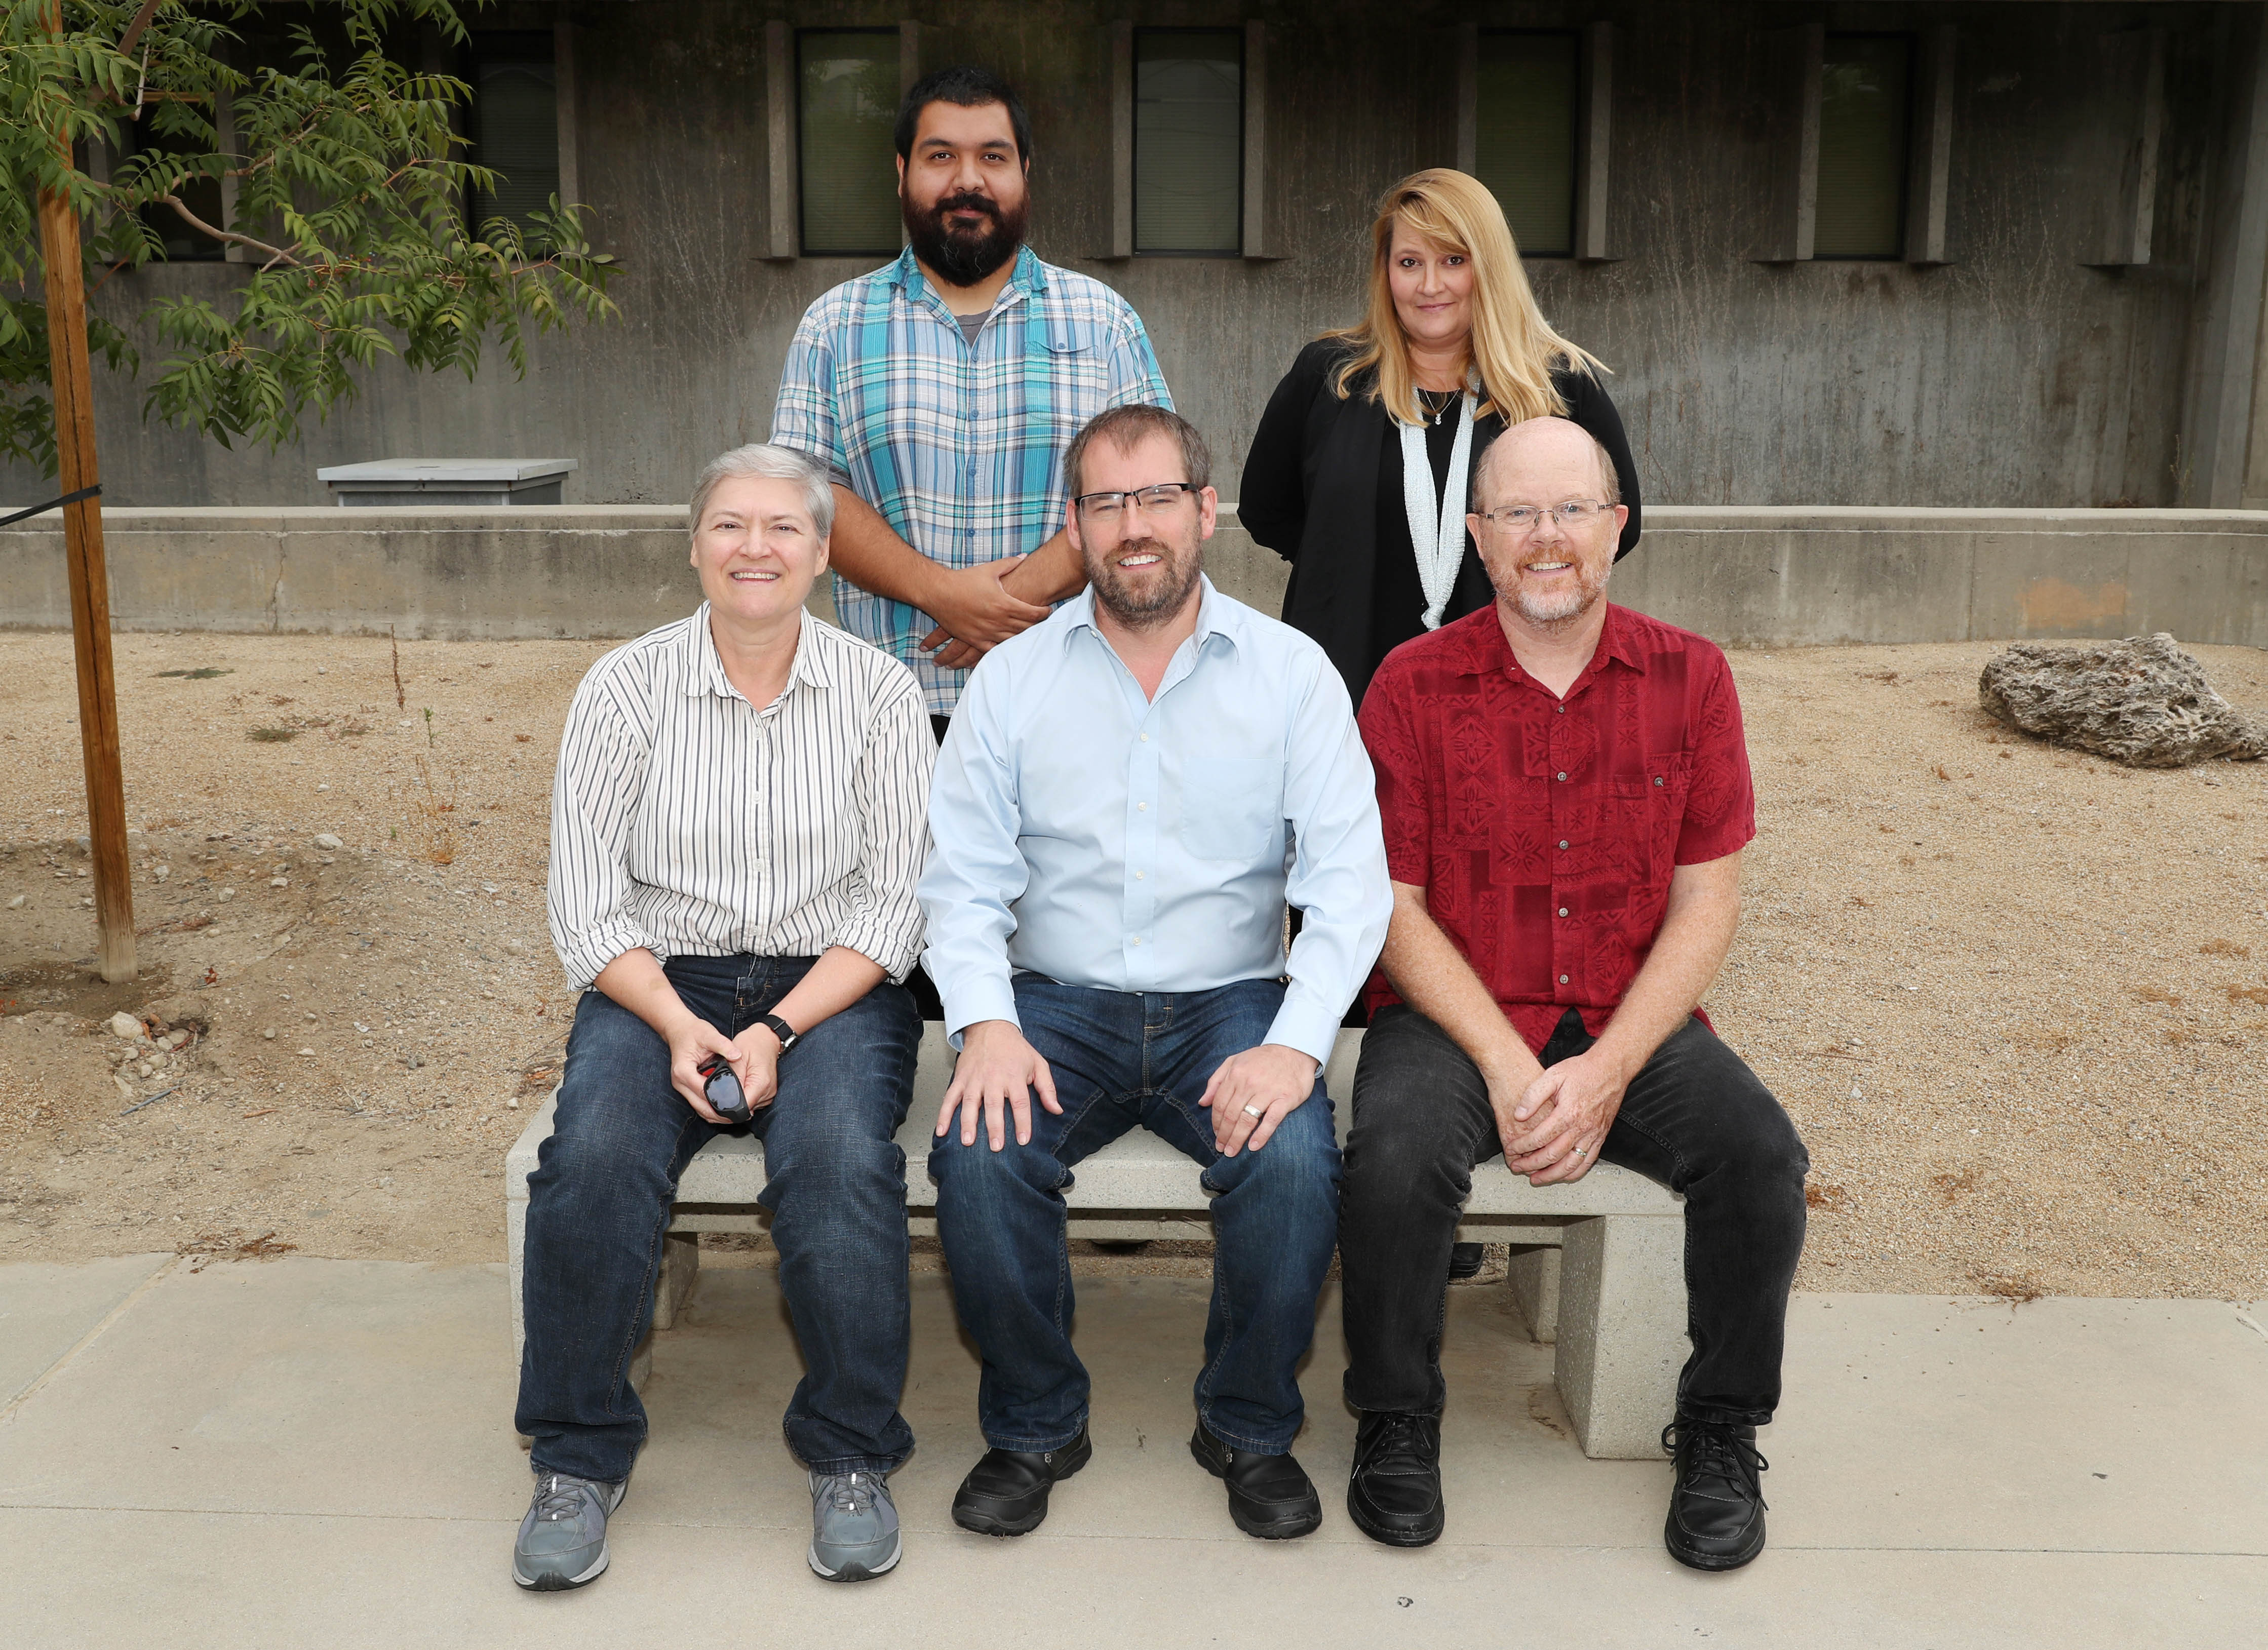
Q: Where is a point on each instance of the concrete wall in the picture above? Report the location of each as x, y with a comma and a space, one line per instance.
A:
2013, 377
1755, 577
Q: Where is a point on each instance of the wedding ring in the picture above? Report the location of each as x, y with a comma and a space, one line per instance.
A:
1254, 1111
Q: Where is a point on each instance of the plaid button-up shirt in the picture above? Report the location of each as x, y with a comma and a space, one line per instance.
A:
959, 446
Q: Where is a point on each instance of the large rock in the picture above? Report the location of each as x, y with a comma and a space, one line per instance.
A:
2141, 702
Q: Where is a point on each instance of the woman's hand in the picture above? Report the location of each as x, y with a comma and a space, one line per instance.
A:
692, 1040
756, 1063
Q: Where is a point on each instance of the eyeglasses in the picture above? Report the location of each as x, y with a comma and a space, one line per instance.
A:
1520, 519
1102, 509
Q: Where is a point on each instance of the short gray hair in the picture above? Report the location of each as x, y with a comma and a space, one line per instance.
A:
775, 463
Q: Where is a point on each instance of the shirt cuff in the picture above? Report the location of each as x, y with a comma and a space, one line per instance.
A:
1307, 1028
586, 956
969, 1001
889, 946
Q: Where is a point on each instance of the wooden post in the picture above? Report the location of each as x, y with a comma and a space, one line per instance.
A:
90, 583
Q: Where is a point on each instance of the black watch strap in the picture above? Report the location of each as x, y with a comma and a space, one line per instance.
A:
788, 1036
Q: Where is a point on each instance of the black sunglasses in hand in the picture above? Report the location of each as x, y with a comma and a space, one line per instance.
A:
723, 1091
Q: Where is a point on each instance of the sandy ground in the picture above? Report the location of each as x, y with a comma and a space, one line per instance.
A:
2016, 998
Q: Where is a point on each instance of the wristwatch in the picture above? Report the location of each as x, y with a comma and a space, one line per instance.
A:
788, 1036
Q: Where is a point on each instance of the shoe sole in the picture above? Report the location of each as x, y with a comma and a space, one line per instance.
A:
855, 1571
1711, 1561
555, 1582
979, 1523
1386, 1536
1273, 1530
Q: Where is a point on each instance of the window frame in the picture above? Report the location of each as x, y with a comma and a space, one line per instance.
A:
1235, 250
796, 36
1577, 63
1904, 166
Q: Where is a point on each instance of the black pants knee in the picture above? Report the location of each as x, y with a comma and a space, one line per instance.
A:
1695, 1119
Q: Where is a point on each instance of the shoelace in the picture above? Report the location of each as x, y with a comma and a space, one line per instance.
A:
1720, 1449
557, 1497
854, 1493
1400, 1440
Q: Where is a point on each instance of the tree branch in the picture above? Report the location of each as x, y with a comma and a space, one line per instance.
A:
276, 255
133, 35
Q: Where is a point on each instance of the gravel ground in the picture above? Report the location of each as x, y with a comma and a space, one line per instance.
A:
2016, 998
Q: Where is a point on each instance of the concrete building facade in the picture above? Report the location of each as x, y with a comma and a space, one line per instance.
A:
2072, 316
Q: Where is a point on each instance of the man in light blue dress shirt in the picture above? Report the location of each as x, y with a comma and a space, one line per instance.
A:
1130, 792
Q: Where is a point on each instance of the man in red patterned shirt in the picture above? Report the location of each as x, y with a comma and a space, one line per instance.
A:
1565, 795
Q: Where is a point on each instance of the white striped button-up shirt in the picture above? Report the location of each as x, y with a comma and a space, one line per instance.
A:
685, 821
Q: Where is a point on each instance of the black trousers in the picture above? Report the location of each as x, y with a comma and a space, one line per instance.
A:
1696, 1119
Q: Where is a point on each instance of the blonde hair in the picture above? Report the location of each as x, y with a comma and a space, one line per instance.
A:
1514, 347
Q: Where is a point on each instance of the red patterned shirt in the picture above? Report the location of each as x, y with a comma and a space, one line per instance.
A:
1543, 830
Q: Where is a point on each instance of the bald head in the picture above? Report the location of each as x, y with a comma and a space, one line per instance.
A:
1544, 461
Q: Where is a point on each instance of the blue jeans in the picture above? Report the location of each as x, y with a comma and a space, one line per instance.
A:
598, 1206
1121, 1059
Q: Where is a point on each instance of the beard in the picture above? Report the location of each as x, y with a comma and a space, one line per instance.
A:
1558, 612
964, 257
1146, 607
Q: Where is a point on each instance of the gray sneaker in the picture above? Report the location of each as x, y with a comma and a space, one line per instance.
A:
562, 1540
854, 1526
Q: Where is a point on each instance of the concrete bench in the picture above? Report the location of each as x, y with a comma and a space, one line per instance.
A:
1598, 1267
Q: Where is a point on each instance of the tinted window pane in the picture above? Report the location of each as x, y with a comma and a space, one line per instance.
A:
515, 127
1188, 140
1862, 147
1525, 137
201, 195
849, 106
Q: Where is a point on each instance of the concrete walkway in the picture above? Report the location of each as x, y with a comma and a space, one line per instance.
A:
320, 1452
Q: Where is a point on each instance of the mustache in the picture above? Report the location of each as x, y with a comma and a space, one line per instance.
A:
965, 200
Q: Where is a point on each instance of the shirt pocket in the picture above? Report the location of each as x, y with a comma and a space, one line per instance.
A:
1652, 803
1079, 374
1232, 808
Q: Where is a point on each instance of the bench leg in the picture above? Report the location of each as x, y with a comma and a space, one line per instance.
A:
1535, 1279
1622, 1331
681, 1268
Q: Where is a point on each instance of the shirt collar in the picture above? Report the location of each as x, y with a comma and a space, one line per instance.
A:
1217, 616
1487, 649
1029, 275
706, 675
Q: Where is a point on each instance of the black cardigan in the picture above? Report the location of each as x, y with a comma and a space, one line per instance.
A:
1311, 493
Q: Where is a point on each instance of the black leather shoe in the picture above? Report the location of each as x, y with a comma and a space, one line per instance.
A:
1005, 1493
1717, 1509
1394, 1494
1269, 1495
1464, 1262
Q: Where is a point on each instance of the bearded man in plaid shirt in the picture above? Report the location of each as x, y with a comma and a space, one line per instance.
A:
940, 391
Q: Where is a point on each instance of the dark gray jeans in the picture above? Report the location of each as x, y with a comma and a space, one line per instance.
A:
1696, 1119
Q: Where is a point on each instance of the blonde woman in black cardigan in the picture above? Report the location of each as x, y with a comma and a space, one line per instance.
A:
1357, 474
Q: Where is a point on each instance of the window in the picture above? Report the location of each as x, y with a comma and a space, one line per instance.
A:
514, 126
1525, 105
1189, 140
847, 112
201, 195
1864, 106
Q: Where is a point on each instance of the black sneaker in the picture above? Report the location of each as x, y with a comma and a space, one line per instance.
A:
1394, 1494
1717, 1509
1271, 1497
1005, 1492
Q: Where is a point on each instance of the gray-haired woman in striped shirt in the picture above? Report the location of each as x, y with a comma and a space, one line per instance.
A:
736, 828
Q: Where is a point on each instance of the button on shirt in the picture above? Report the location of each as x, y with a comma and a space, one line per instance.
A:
1544, 830
957, 441
1130, 844
685, 821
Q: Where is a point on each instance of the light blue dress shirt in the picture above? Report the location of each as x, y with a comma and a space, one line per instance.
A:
1130, 844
